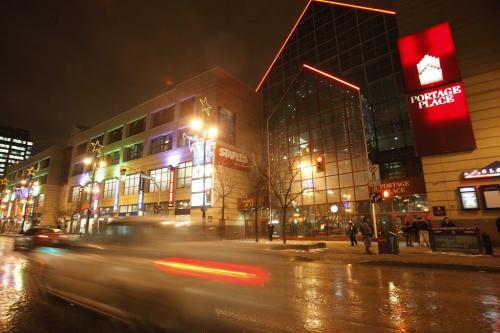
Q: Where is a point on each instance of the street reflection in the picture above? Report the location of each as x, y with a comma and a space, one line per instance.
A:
12, 288
314, 308
398, 312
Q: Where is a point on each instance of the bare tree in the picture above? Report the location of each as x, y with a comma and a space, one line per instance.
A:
259, 185
223, 187
285, 185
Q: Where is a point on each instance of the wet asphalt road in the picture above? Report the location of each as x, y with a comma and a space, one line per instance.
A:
330, 297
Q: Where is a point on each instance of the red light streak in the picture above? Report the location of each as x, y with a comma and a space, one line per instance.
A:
213, 270
300, 18
331, 77
42, 236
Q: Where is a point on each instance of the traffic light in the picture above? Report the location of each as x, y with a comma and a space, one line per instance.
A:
320, 163
386, 194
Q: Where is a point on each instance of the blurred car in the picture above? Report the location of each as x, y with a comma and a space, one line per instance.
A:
39, 236
169, 276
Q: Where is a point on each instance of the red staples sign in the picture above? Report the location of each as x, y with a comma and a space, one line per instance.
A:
437, 103
428, 58
440, 120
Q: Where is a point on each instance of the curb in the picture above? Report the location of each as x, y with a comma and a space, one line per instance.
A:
491, 269
9, 235
300, 247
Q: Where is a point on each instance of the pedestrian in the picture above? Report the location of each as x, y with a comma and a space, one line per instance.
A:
366, 231
414, 231
447, 223
407, 231
270, 231
423, 232
353, 231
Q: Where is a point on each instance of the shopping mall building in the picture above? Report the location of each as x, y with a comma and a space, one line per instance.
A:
340, 90
366, 99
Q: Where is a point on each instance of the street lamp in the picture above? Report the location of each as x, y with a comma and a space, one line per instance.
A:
96, 149
206, 133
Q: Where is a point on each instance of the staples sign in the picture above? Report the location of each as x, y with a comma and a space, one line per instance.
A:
231, 159
428, 58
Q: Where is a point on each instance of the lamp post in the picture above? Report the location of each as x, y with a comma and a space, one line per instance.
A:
96, 149
207, 132
31, 173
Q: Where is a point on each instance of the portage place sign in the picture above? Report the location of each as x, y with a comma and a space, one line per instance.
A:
436, 101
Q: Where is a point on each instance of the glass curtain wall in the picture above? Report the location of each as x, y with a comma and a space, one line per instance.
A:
319, 119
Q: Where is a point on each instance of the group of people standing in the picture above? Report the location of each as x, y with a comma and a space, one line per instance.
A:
366, 232
416, 232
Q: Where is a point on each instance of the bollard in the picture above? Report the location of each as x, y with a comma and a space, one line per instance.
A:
488, 249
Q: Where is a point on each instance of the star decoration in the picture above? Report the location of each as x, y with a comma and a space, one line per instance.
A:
205, 107
4, 181
96, 146
31, 171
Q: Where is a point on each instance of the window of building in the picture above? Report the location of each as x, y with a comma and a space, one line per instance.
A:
226, 125
115, 135
183, 135
187, 107
132, 184
133, 152
163, 116
184, 174
77, 169
81, 148
161, 177
106, 212
42, 179
74, 194
113, 158
137, 126
161, 143
44, 164
110, 188
129, 209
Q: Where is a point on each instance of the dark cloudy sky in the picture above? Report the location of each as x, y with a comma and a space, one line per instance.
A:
66, 62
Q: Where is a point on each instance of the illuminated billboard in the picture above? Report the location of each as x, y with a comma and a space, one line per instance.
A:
428, 58
437, 103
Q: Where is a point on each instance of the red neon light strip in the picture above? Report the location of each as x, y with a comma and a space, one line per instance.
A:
300, 18
213, 270
350, 85
390, 12
283, 46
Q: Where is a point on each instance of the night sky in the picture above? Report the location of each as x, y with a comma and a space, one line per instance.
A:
80, 62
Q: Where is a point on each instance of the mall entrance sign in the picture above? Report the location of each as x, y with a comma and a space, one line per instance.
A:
436, 98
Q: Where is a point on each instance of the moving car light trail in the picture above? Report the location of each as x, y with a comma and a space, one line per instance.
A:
212, 270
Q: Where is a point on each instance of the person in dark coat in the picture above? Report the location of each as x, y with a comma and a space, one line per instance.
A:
366, 231
407, 231
447, 223
353, 231
270, 231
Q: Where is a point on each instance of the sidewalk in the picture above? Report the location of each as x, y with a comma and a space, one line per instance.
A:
417, 256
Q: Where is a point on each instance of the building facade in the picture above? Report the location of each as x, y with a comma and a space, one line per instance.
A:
464, 185
358, 44
32, 190
151, 159
15, 145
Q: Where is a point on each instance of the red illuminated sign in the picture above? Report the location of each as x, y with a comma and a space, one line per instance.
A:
441, 121
437, 103
428, 58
